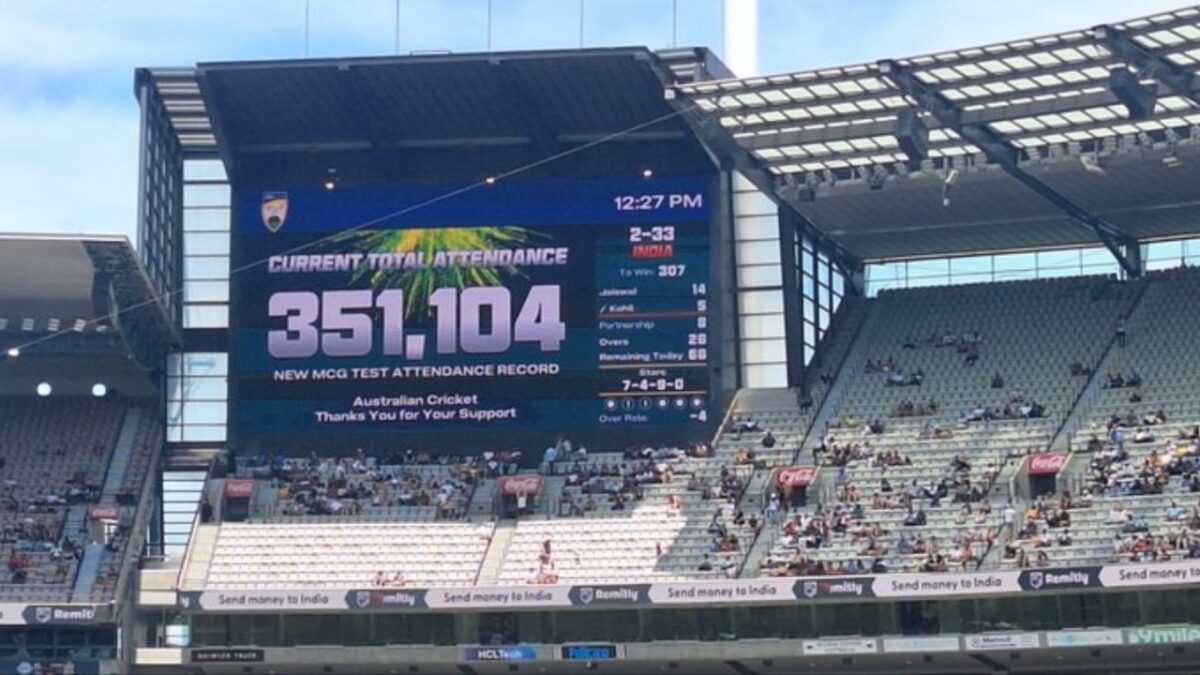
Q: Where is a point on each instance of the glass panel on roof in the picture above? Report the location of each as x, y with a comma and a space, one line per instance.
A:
995, 67
1069, 54
1190, 31
1044, 59
1019, 63
971, 70
946, 74
848, 87
823, 90
1174, 103
798, 93
1167, 37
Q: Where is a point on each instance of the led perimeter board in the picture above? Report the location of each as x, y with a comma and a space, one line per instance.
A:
455, 320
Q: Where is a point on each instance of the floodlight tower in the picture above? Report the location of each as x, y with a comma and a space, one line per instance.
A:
740, 36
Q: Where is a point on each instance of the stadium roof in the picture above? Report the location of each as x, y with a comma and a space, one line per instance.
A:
1080, 138
434, 101
1013, 119
81, 285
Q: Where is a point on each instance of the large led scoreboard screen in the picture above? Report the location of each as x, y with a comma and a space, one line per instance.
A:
579, 307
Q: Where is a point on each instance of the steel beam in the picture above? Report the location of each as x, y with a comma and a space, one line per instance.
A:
1147, 62
999, 151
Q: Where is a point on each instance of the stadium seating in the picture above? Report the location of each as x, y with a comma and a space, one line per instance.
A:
1162, 350
955, 340
665, 534
365, 489
55, 453
351, 554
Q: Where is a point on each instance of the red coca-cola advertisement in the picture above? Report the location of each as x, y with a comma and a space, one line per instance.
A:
520, 485
106, 513
239, 488
796, 476
1047, 464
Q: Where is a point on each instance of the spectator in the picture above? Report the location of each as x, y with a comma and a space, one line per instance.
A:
206, 509
773, 510
1009, 519
918, 519
1174, 512
997, 381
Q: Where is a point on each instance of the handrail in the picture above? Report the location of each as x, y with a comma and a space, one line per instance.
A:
818, 405
137, 538
1112, 340
725, 420
187, 556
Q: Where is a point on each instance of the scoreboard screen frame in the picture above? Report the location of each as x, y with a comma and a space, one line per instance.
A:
637, 202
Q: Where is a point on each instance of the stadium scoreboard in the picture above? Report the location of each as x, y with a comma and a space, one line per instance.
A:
575, 306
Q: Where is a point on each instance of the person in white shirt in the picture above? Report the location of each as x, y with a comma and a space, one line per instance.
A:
1118, 515
1009, 518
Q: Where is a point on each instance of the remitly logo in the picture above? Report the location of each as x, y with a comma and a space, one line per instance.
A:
44, 614
813, 588
614, 595
1037, 580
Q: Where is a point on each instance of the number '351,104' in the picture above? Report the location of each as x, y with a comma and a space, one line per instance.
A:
472, 321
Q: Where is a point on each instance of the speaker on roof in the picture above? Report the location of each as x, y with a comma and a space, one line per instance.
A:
1138, 98
912, 134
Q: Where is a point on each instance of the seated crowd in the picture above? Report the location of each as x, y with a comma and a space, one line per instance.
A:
345, 486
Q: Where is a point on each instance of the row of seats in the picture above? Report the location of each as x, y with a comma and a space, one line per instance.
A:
258, 555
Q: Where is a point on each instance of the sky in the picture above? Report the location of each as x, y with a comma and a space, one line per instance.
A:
68, 118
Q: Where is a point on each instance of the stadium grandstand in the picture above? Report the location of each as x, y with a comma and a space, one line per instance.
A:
609, 360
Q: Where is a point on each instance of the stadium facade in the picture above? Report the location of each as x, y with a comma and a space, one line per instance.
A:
358, 275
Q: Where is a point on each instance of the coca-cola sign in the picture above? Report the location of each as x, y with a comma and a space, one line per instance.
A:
1047, 464
239, 489
797, 476
106, 513
520, 485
